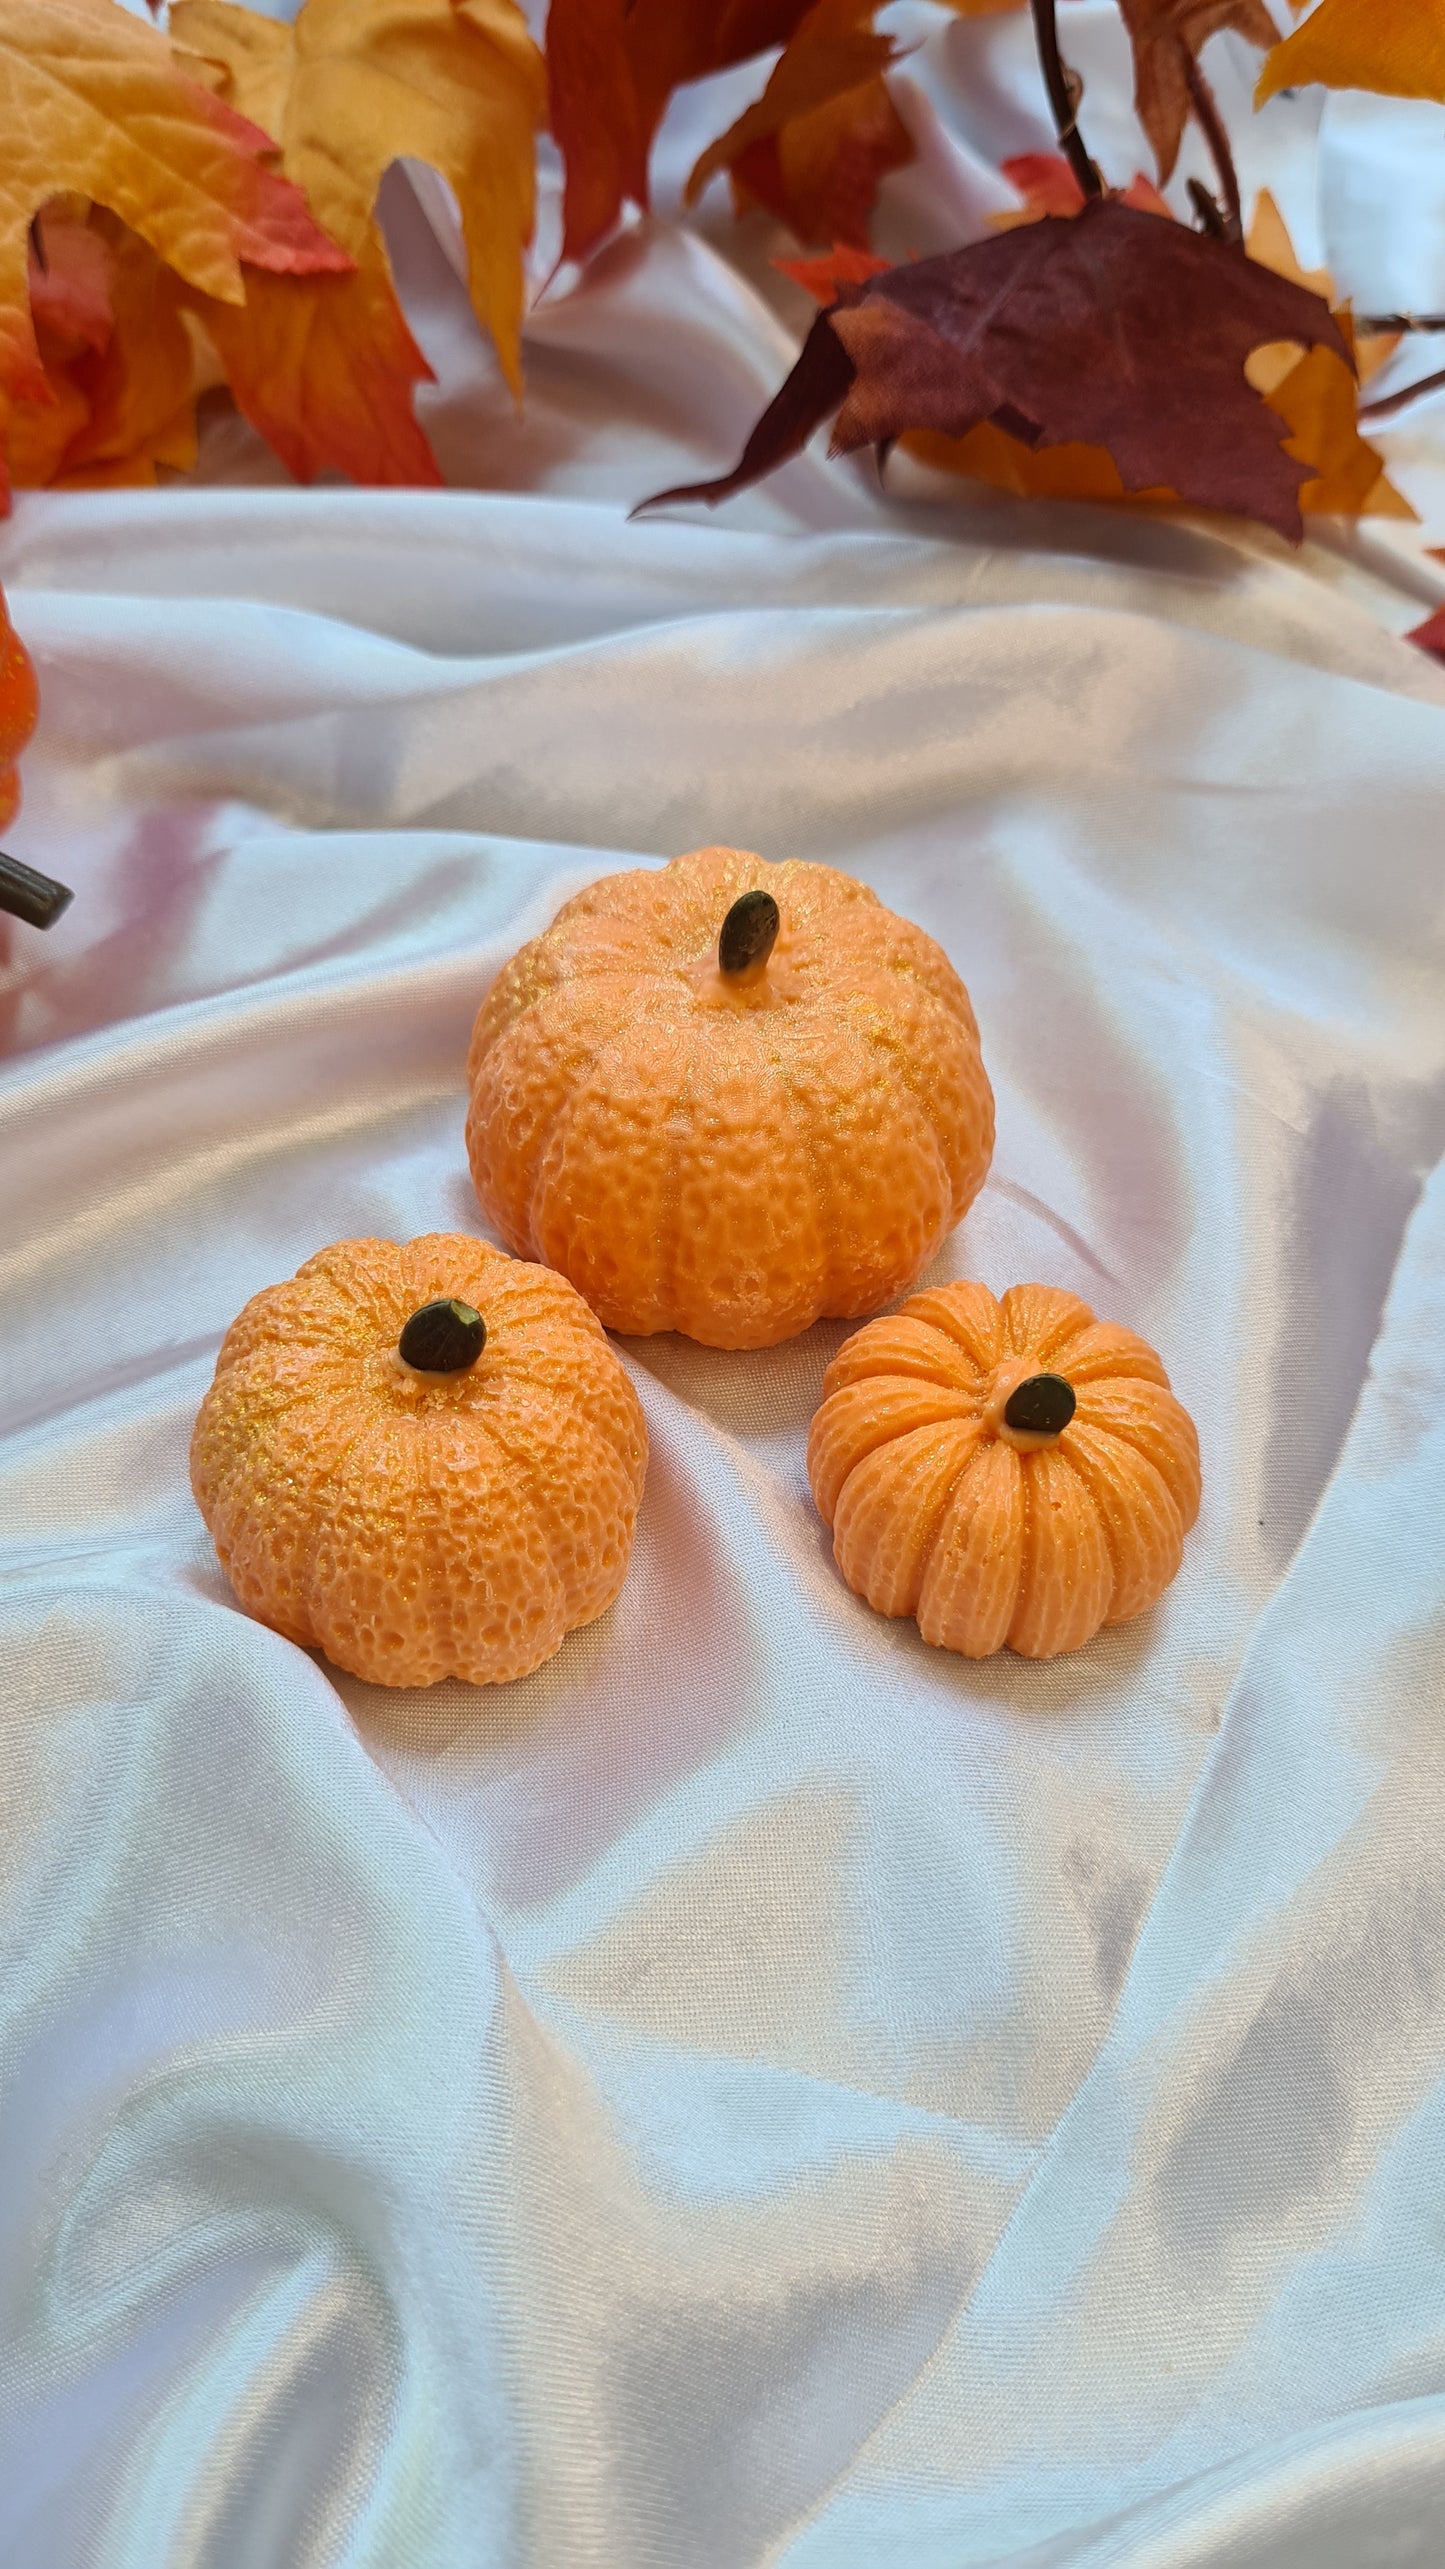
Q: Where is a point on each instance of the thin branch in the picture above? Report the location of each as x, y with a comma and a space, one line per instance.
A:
1211, 126
1211, 215
1064, 92
1371, 325
1390, 402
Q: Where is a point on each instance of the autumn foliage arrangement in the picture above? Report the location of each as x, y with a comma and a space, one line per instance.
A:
194, 204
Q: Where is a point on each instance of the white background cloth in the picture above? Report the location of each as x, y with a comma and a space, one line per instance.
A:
759, 2091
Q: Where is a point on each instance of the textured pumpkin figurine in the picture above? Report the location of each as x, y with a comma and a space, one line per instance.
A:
426, 1460
728, 1097
1011, 1471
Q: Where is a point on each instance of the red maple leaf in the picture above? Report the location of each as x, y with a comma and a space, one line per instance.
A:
612, 66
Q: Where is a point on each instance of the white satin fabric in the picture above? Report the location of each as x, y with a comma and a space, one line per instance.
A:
760, 2094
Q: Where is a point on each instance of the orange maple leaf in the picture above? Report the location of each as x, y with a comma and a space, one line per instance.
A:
842, 265
324, 368
1317, 393
94, 103
1167, 35
813, 148
117, 358
1394, 46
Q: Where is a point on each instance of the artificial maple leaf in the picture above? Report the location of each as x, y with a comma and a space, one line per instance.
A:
596, 121
813, 148
612, 66
1394, 46
117, 357
353, 85
1430, 636
324, 369
1318, 393
1108, 329
1048, 185
1167, 36
94, 103
138, 388
1314, 391
843, 265
69, 277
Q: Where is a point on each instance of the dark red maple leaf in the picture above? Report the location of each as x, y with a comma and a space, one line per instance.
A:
1107, 328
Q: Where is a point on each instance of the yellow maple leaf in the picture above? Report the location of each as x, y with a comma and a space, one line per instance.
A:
1316, 392
354, 85
1396, 47
94, 103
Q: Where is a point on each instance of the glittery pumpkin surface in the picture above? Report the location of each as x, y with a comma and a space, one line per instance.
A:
987, 1533
733, 1159
420, 1526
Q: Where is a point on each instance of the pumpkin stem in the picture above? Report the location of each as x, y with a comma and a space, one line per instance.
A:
749, 934
1043, 1406
442, 1338
36, 898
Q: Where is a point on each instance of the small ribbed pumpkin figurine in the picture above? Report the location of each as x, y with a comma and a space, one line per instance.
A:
728, 1097
425, 1460
1009, 1472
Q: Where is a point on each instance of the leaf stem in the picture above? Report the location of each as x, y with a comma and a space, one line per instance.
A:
1211, 126
1063, 98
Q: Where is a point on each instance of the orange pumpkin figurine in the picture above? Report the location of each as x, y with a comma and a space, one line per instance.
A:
728, 1097
36, 898
426, 1460
19, 712
1011, 1471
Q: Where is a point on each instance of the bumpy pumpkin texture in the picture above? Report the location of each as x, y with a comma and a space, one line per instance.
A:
411, 1521
1010, 1471
728, 1097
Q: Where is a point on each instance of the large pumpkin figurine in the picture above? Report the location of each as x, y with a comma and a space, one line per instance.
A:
426, 1460
728, 1097
1012, 1471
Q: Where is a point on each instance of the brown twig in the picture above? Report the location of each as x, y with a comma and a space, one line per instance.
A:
1371, 325
1390, 402
1063, 89
1211, 125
